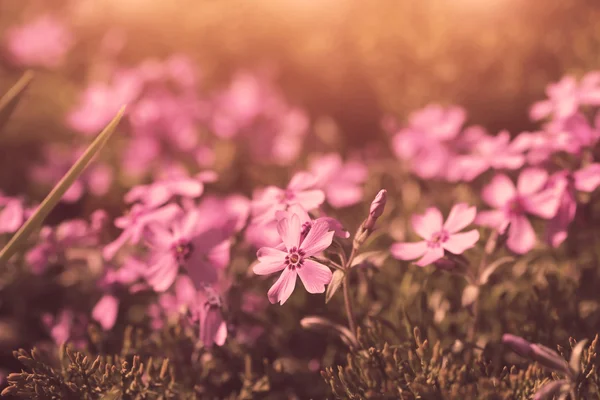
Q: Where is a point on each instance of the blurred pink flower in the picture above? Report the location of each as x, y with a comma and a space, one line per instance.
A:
207, 311
43, 42
199, 247
300, 191
513, 204
342, 182
439, 235
12, 214
105, 311
565, 97
100, 102
135, 224
159, 192
306, 222
295, 259
587, 180
66, 326
487, 151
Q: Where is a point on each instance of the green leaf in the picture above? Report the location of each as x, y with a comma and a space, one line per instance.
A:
334, 285
9, 101
59, 190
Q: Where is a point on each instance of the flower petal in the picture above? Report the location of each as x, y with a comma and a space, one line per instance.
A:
427, 224
162, 274
431, 255
587, 179
459, 242
499, 191
106, 311
531, 180
314, 276
289, 230
270, 261
309, 199
318, 239
460, 216
521, 236
284, 286
494, 219
408, 251
302, 181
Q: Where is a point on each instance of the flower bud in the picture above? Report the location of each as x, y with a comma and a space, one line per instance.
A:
366, 228
549, 358
517, 344
377, 207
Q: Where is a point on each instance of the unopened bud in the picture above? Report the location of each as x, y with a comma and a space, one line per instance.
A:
377, 207
367, 227
517, 344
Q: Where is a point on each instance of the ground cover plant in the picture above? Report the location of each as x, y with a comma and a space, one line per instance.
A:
173, 233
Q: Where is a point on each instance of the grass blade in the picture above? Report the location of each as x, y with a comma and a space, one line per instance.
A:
9, 101
59, 190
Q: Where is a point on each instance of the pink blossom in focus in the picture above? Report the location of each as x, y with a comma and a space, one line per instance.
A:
439, 235
295, 259
513, 204
342, 182
42, 42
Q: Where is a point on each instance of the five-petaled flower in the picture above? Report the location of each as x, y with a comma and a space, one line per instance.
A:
439, 236
295, 260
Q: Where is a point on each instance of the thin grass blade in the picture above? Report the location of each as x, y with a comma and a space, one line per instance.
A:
59, 190
9, 101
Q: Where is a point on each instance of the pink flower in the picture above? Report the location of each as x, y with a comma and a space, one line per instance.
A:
66, 326
105, 311
513, 204
587, 180
207, 311
100, 102
307, 222
565, 97
295, 259
342, 182
135, 224
42, 42
159, 192
299, 191
200, 248
12, 215
439, 235
486, 152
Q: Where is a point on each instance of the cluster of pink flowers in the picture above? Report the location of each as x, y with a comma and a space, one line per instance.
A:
437, 147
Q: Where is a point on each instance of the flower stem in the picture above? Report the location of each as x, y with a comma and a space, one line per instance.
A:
346, 290
348, 304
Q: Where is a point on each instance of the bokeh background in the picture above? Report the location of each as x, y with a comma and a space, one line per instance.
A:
345, 62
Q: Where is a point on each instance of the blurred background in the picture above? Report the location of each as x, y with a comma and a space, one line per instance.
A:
347, 63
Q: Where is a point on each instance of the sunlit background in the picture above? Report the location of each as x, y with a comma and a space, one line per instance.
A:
346, 63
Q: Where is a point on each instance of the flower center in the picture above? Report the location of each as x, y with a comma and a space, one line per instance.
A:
182, 250
287, 196
516, 206
437, 239
295, 258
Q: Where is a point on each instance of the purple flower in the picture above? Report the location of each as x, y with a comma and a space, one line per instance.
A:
342, 182
513, 204
295, 259
42, 42
439, 235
